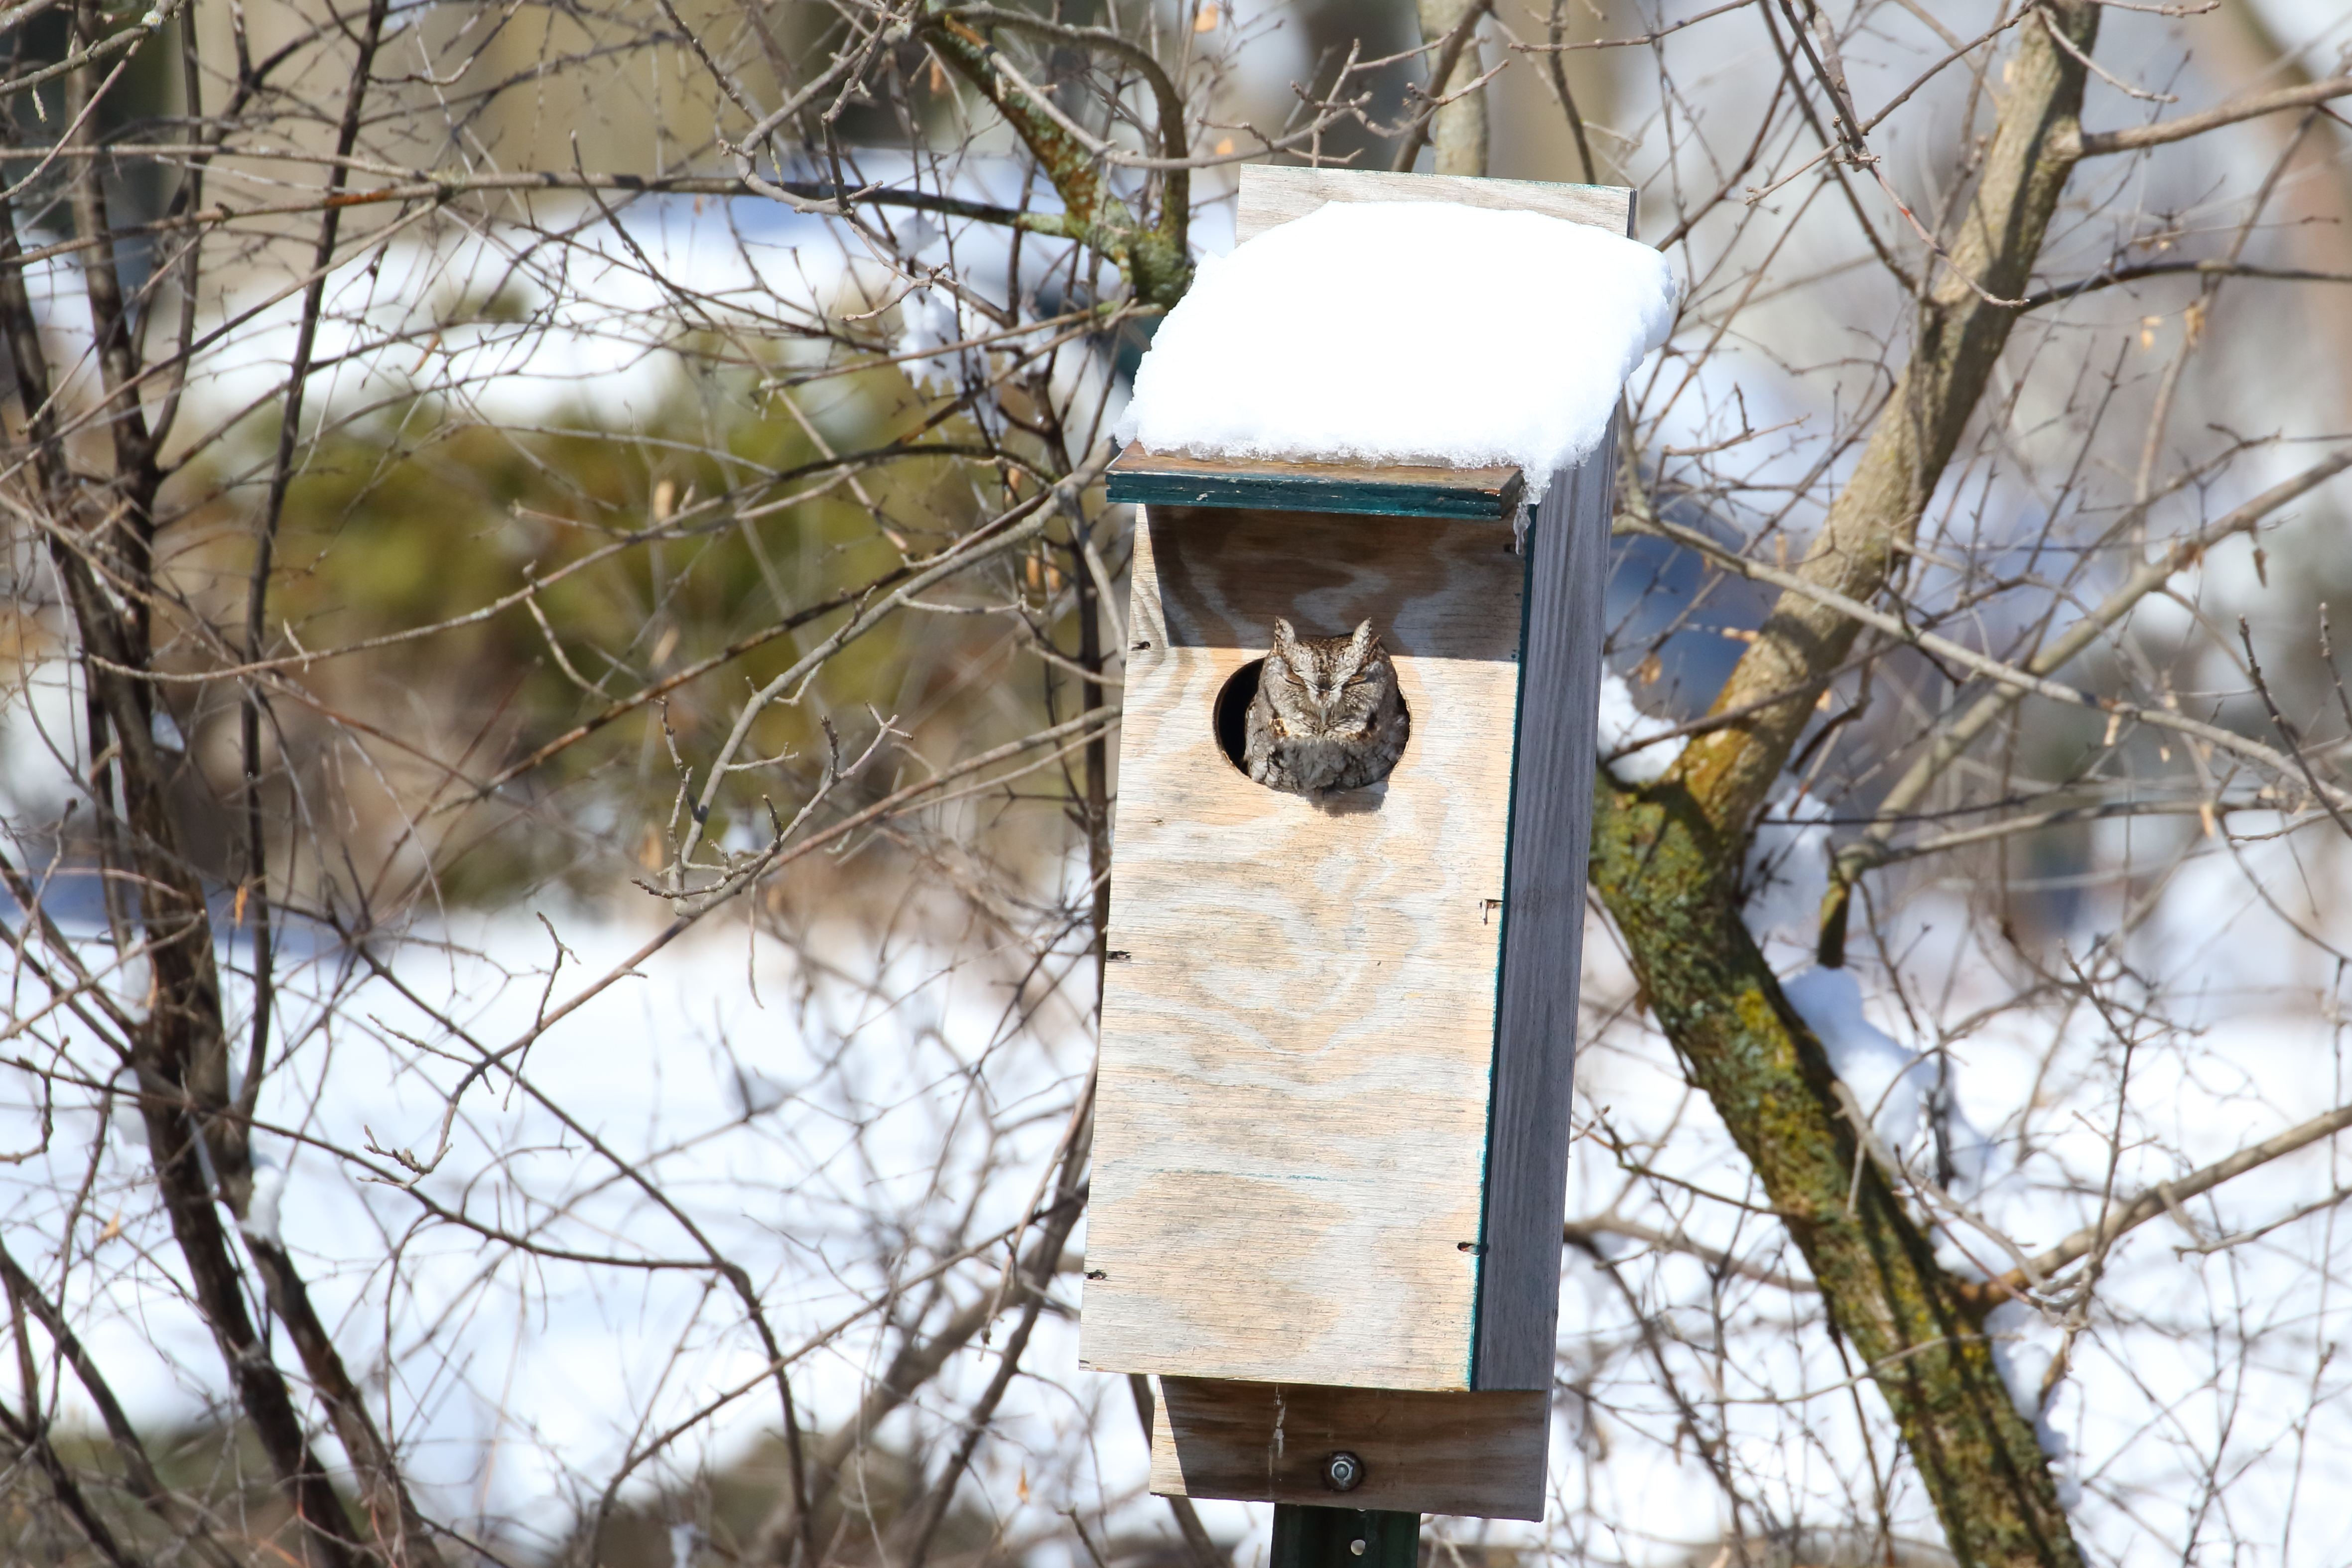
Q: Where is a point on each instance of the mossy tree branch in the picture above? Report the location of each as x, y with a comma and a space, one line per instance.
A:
1963, 324
1151, 256
1664, 859
1666, 874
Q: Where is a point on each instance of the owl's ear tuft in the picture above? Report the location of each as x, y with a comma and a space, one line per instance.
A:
1361, 642
1285, 636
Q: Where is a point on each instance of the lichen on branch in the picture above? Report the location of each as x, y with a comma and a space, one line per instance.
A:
1664, 857
1151, 256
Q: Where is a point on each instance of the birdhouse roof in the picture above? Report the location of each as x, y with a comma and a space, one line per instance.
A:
1375, 336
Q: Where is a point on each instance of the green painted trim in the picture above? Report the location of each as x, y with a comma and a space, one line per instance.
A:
1316, 492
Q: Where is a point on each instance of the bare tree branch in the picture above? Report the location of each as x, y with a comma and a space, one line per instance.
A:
2099, 143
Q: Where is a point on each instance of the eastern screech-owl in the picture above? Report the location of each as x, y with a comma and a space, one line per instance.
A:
1326, 714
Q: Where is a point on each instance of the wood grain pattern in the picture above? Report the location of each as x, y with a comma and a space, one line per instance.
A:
1476, 1454
1389, 489
1291, 1128
1543, 927
1271, 195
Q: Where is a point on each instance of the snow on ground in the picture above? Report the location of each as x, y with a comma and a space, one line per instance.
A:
805, 1138
2201, 1360
783, 1127
785, 1133
578, 318
1624, 725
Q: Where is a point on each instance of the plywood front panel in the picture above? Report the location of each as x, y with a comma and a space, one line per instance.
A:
1298, 1021
1478, 1453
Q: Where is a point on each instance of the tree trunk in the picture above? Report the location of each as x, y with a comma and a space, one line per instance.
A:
1457, 135
1664, 857
1666, 876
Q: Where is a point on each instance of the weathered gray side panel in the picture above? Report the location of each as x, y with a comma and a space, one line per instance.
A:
1543, 929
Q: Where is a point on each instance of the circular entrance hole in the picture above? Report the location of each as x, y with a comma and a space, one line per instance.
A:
1233, 713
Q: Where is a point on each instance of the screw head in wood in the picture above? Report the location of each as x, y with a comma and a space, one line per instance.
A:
1343, 1472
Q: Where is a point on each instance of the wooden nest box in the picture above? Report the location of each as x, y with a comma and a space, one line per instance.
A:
1332, 1118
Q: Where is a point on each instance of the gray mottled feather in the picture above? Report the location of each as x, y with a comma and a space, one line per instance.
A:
1326, 714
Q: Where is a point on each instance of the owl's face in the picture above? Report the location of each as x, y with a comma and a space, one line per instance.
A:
1326, 686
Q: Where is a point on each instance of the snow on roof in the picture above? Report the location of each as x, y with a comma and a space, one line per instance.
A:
1405, 332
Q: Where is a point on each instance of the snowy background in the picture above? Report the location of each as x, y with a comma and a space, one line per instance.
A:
826, 1119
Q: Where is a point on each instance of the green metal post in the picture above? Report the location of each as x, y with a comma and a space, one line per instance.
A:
1307, 1537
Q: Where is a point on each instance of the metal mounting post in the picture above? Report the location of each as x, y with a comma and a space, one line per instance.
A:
1307, 1537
